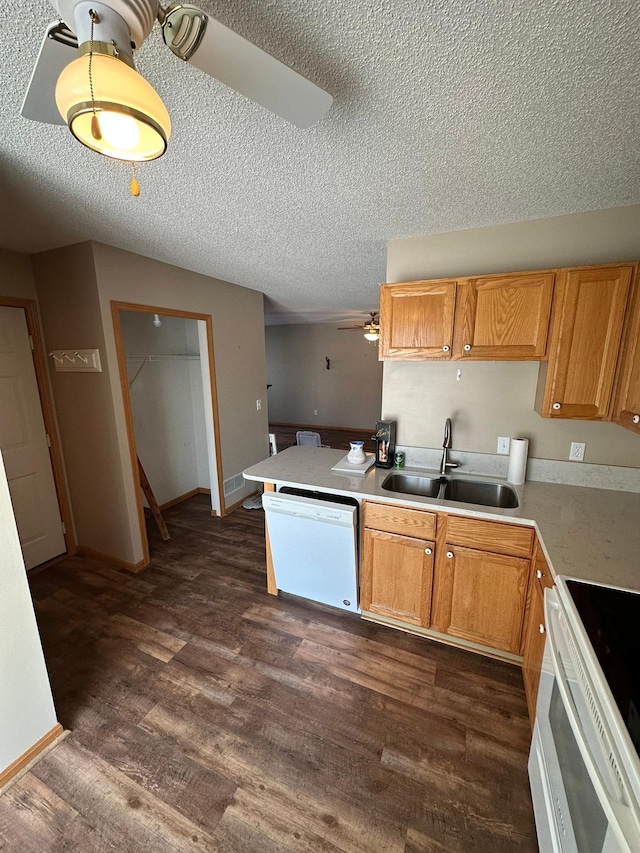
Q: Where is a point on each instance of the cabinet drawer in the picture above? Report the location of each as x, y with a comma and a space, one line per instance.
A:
490, 536
401, 520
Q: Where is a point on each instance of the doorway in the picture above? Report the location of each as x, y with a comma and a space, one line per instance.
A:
28, 439
168, 383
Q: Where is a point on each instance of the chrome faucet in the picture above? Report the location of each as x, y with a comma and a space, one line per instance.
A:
446, 446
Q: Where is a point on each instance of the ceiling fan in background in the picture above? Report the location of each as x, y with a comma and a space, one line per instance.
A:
371, 329
85, 75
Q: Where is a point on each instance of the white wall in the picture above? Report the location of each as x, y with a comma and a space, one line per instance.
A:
496, 398
26, 705
164, 398
347, 395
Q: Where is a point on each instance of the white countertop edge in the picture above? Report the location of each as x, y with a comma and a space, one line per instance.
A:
587, 533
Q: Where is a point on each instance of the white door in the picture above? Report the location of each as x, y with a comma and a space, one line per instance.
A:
24, 445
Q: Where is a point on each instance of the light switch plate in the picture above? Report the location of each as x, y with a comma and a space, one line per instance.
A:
76, 360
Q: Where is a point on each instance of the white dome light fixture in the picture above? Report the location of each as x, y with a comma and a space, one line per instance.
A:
107, 105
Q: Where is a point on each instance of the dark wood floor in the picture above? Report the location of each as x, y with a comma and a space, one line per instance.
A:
206, 715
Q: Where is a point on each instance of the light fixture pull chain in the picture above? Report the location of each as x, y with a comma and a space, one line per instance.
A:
135, 187
95, 125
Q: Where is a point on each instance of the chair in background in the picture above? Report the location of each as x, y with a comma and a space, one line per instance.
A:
305, 438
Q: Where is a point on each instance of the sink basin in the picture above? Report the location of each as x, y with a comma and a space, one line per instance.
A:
476, 492
498, 495
412, 484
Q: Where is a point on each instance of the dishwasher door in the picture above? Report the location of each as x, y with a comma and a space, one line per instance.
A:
314, 548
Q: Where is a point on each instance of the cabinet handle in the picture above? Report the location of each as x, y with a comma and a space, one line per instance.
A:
427, 550
541, 628
556, 406
466, 347
450, 555
539, 573
636, 419
446, 348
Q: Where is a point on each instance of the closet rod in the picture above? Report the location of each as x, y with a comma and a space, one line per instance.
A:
180, 357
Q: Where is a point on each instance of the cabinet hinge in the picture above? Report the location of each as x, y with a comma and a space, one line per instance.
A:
64, 528
48, 440
31, 344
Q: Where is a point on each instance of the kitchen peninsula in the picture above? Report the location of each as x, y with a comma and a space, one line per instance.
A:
586, 533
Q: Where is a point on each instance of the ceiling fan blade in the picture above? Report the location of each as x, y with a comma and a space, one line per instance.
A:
350, 328
59, 48
239, 64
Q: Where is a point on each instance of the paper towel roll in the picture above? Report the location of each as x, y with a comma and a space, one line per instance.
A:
518, 461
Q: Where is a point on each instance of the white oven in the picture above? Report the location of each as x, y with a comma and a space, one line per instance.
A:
583, 766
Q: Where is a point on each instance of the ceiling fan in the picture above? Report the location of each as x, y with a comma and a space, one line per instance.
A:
371, 328
85, 75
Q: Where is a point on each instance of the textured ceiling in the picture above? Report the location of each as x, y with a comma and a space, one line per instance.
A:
447, 115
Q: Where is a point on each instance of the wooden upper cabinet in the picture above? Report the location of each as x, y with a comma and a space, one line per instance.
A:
587, 331
416, 319
503, 317
486, 318
626, 410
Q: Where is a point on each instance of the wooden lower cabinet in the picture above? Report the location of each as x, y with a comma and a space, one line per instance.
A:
396, 576
458, 576
483, 597
535, 631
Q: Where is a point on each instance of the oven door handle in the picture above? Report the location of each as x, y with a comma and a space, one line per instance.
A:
619, 814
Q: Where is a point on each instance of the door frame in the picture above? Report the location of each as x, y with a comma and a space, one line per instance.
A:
29, 306
116, 308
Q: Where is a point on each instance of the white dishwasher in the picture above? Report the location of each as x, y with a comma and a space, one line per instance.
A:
314, 546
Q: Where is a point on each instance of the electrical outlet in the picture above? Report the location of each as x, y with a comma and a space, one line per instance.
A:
315, 411
576, 454
503, 445
258, 405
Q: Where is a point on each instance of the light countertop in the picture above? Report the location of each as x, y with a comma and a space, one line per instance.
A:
589, 534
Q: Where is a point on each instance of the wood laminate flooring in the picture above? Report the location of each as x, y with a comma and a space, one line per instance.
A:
206, 715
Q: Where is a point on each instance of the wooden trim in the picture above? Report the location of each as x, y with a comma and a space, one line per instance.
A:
446, 639
184, 497
112, 561
214, 408
239, 503
30, 755
128, 417
30, 308
272, 588
116, 308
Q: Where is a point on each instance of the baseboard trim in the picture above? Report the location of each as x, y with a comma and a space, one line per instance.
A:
231, 508
112, 561
430, 634
29, 757
185, 497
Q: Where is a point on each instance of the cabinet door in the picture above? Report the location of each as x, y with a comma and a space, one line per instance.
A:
626, 410
416, 320
535, 632
396, 577
486, 595
590, 306
503, 317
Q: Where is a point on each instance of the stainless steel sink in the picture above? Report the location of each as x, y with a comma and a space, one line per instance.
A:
477, 492
412, 484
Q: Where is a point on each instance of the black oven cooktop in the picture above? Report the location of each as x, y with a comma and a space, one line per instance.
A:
611, 618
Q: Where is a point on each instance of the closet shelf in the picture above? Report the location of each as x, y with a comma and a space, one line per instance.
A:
144, 359
177, 357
